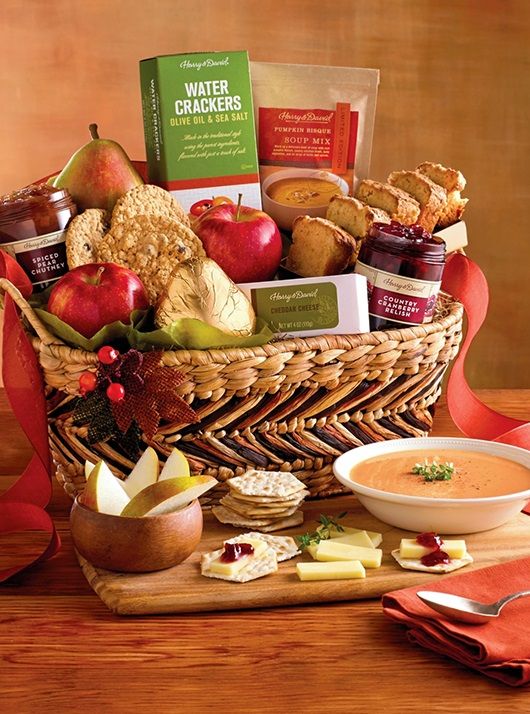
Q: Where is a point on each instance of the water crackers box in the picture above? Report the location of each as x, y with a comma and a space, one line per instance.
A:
199, 126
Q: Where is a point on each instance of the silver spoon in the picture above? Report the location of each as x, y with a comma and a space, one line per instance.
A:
465, 610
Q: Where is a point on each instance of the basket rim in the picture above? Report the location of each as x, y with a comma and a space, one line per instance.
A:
451, 314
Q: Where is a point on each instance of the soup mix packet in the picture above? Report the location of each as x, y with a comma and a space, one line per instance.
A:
315, 127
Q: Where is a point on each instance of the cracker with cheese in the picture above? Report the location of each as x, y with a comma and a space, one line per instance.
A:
285, 547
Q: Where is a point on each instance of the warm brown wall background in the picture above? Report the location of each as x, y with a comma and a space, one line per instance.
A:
455, 88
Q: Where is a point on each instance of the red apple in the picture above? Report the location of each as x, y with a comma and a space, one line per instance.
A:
244, 241
91, 296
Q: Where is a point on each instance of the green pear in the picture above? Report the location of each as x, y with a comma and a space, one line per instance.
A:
98, 174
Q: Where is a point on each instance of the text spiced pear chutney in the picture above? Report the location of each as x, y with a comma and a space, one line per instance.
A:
33, 222
403, 266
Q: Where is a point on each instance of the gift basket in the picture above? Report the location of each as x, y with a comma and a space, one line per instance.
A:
266, 399
290, 405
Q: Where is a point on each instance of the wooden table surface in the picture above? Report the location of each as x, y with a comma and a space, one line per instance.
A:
61, 650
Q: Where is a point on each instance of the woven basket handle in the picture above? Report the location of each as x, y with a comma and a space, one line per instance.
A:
6, 286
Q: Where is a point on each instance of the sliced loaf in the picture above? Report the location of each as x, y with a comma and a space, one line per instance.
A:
319, 247
431, 197
453, 182
397, 203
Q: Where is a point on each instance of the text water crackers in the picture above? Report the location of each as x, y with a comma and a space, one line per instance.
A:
199, 126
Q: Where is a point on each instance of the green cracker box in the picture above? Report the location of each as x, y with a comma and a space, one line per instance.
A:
199, 126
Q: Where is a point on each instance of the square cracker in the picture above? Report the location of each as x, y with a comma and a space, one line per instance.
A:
416, 564
295, 520
266, 483
285, 547
257, 567
297, 497
226, 515
247, 509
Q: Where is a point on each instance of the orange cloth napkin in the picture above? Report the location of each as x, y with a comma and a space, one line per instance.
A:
500, 648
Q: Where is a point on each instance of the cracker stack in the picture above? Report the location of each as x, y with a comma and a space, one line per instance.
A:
265, 500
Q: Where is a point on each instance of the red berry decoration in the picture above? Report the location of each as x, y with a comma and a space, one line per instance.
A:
115, 392
107, 354
87, 382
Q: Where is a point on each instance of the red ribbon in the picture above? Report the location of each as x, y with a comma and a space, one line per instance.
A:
465, 281
22, 506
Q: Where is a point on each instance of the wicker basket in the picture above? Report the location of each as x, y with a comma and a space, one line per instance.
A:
291, 405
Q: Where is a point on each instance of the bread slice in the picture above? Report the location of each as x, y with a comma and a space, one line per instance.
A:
450, 179
397, 203
319, 247
431, 197
453, 182
354, 216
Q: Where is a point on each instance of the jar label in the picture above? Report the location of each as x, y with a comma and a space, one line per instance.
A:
43, 258
398, 298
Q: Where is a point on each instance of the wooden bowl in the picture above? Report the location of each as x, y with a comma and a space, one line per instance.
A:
136, 545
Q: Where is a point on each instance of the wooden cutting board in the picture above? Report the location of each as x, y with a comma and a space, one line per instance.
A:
184, 589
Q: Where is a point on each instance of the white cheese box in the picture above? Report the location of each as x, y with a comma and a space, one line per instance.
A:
307, 307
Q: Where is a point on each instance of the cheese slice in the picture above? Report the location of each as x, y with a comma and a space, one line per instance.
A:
340, 570
229, 569
375, 537
329, 550
360, 538
409, 548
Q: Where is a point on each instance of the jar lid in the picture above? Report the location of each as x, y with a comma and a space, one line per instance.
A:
16, 204
410, 240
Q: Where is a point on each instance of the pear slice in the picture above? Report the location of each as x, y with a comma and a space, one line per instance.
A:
143, 474
176, 465
167, 495
88, 468
104, 492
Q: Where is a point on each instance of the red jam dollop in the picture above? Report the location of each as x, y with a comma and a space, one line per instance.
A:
437, 555
235, 551
414, 233
435, 558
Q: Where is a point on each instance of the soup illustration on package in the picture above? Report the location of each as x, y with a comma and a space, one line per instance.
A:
315, 127
199, 126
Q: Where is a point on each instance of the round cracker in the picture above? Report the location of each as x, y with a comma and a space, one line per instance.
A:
148, 200
82, 235
151, 246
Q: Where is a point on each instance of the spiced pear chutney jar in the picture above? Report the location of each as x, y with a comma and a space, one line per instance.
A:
403, 266
33, 223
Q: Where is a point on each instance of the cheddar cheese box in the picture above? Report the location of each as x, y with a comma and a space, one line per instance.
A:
333, 305
199, 126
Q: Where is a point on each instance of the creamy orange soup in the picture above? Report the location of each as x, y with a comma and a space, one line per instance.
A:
299, 191
475, 475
